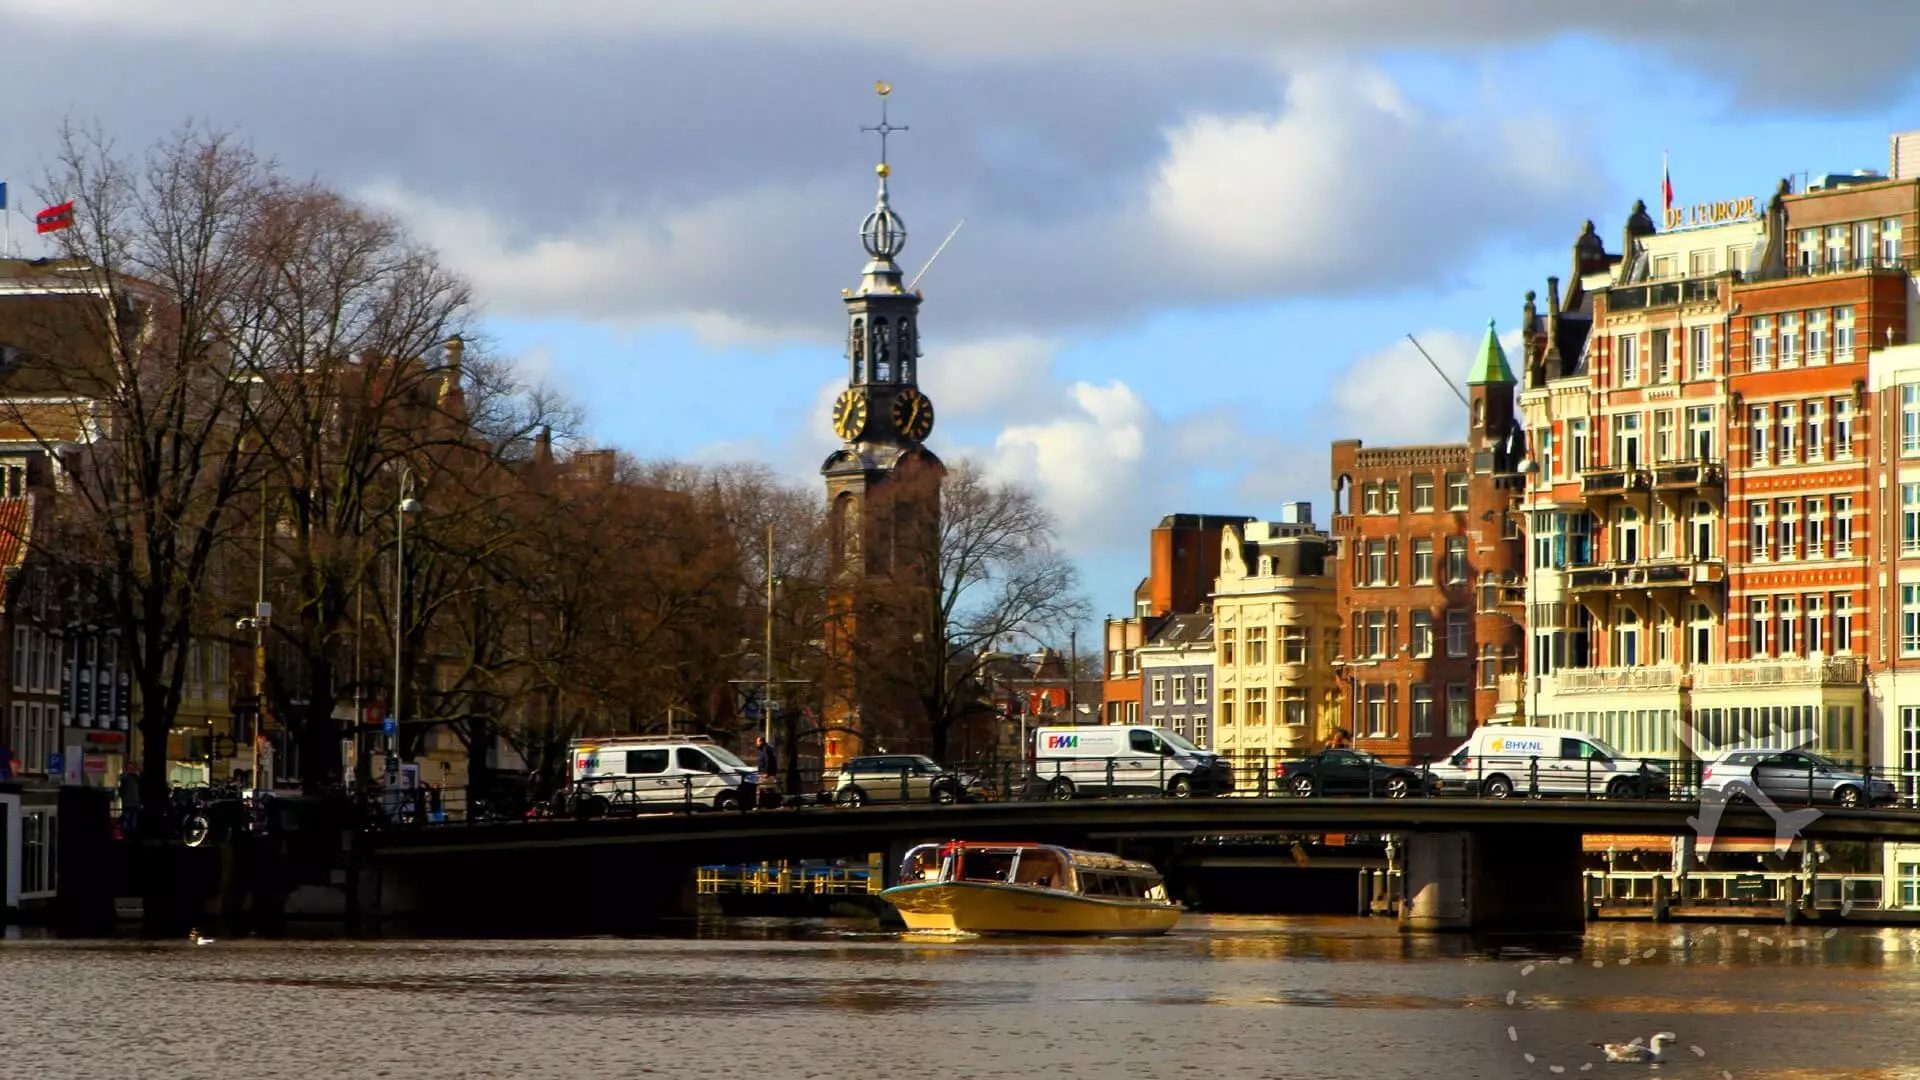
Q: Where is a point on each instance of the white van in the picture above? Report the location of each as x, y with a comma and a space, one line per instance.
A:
1125, 759
659, 772
1500, 761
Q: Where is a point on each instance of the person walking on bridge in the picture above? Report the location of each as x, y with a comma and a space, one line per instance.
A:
767, 764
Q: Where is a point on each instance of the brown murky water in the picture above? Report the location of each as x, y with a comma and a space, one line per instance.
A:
1218, 998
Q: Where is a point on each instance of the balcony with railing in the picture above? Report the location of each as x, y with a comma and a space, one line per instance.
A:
1663, 294
1687, 476
1613, 480
1611, 679
1651, 574
1839, 671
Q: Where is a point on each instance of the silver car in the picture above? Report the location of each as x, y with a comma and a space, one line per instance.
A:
1793, 778
896, 778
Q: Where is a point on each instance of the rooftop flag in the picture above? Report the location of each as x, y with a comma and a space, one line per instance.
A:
1666, 182
3, 194
54, 218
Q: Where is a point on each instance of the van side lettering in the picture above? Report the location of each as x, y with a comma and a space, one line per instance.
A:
1063, 742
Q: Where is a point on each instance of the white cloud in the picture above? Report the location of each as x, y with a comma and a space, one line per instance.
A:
1342, 186
1006, 379
1394, 395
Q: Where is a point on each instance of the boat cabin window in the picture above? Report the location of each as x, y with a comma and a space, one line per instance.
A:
986, 865
1120, 885
1042, 868
688, 758
921, 864
647, 761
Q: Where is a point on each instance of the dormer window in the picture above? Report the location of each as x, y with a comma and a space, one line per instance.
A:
13, 478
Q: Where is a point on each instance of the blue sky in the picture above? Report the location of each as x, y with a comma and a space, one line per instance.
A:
1194, 245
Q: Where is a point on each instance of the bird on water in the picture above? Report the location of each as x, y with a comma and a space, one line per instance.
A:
1651, 1050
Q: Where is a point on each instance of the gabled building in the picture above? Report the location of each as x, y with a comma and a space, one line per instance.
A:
1183, 561
1177, 677
1277, 631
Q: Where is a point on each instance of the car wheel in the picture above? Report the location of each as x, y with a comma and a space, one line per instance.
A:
1399, 787
1736, 793
1301, 786
1848, 796
1498, 787
1060, 790
727, 800
853, 796
594, 806
945, 795
194, 831
1180, 787
1619, 787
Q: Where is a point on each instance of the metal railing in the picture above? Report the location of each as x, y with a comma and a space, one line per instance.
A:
1261, 775
1635, 888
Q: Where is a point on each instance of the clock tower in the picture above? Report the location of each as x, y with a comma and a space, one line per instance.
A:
883, 500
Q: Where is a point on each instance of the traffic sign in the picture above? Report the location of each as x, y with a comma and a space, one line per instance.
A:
390, 725
53, 763
752, 710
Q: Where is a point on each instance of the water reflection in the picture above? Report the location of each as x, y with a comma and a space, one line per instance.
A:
1221, 997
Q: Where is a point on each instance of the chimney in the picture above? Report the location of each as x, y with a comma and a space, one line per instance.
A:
543, 447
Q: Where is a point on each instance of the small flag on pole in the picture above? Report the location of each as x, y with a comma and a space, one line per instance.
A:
1666, 183
3, 194
54, 218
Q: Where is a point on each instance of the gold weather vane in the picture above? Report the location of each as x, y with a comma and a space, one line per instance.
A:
884, 129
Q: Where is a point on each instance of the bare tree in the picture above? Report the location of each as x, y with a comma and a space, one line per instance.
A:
149, 339
998, 582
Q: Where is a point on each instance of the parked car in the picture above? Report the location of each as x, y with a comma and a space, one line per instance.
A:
896, 778
1503, 760
1793, 777
1350, 772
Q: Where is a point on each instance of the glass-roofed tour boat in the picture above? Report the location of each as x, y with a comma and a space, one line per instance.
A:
983, 888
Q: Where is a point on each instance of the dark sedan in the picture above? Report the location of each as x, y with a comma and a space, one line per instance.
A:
1351, 772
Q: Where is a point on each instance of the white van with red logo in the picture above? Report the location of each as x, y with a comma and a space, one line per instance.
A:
1124, 759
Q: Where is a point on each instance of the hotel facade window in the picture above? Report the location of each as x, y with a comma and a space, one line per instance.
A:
1700, 350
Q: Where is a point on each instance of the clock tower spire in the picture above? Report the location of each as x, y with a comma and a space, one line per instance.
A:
883, 494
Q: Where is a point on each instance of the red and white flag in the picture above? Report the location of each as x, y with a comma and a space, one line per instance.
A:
54, 218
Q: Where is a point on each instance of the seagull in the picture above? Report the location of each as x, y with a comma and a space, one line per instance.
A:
1637, 1050
194, 936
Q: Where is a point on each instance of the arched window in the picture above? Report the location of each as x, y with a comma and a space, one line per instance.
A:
882, 351
908, 350
857, 349
846, 530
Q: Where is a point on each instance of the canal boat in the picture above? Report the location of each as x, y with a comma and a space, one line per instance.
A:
986, 888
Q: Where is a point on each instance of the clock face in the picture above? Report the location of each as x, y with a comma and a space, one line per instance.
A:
912, 414
850, 414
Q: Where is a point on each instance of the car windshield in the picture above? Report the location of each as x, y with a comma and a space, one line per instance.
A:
928, 763
1176, 741
725, 757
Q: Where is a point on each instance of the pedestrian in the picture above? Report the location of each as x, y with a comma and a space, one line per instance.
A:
129, 801
767, 764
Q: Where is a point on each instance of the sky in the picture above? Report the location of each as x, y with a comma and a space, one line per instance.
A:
1197, 235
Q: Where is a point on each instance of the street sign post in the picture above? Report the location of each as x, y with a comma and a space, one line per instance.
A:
390, 726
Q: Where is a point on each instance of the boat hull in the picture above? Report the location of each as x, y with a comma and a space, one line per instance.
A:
968, 907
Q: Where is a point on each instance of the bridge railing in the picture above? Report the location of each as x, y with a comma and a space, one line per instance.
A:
1259, 776
1636, 888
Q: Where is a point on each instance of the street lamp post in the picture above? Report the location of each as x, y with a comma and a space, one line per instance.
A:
407, 505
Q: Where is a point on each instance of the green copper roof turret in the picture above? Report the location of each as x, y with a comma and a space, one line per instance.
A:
1491, 366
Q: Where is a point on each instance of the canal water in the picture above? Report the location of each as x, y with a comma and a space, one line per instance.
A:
1220, 997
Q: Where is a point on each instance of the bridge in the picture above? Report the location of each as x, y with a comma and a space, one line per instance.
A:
1470, 863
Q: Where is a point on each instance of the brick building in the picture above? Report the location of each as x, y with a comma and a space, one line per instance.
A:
1183, 561
1429, 576
1702, 545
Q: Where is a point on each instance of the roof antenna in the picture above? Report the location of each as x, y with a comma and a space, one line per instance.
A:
1437, 371
936, 254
